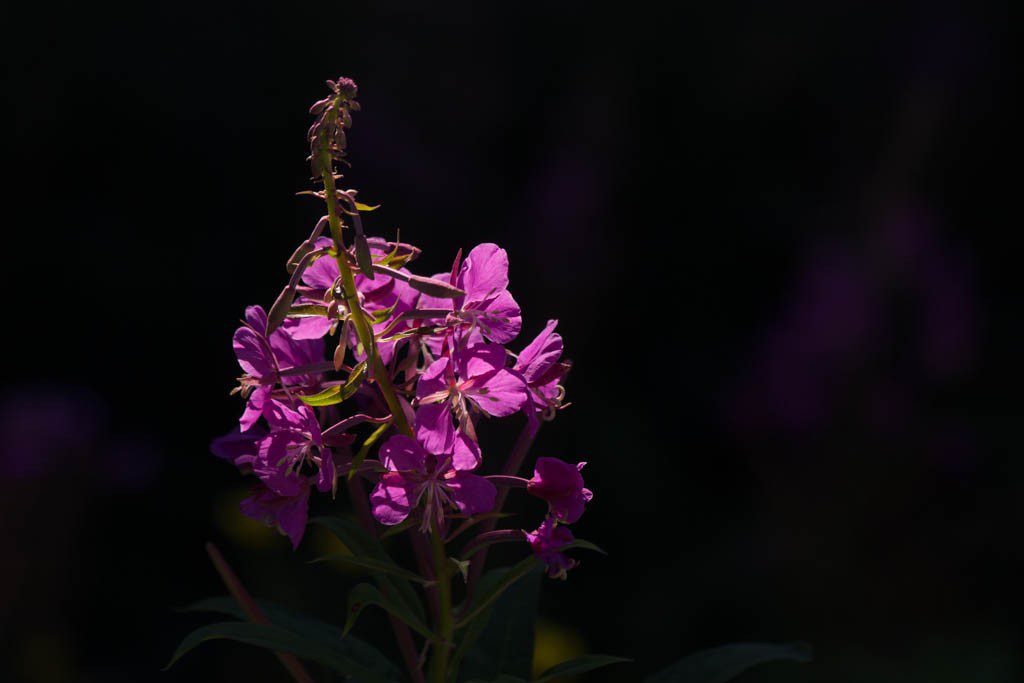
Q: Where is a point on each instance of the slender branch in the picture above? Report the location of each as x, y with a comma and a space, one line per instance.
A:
511, 469
253, 611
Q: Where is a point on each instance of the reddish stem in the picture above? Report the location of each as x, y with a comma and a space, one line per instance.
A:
253, 611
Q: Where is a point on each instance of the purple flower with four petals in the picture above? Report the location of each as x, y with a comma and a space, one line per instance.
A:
436, 478
473, 377
487, 311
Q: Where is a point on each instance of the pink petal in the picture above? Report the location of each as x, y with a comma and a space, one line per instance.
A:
322, 273
479, 359
252, 353
434, 429
392, 499
473, 494
540, 354
465, 452
484, 271
401, 452
308, 328
501, 395
254, 408
501, 319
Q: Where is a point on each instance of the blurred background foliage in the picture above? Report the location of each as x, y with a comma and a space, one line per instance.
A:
776, 235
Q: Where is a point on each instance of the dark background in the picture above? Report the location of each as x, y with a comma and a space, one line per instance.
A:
777, 237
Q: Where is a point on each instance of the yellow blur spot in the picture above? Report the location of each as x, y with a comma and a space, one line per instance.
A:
46, 658
555, 644
239, 529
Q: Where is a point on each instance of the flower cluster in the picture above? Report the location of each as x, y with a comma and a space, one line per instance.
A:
363, 370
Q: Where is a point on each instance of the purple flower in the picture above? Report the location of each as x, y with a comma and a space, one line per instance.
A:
539, 365
264, 358
487, 311
376, 296
294, 446
561, 485
473, 377
286, 512
437, 478
545, 543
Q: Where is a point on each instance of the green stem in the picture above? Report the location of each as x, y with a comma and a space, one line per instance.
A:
445, 619
363, 328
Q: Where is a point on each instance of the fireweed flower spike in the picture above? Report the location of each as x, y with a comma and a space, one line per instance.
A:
364, 371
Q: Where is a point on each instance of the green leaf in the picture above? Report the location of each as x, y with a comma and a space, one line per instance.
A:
366, 208
399, 528
308, 627
338, 393
363, 544
363, 257
579, 665
364, 595
500, 640
462, 566
385, 566
279, 640
380, 316
515, 573
307, 311
364, 450
724, 663
580, 543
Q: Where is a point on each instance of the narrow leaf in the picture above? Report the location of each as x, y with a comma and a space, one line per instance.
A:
366, 208
308, 627
579, 665
338, 393
361, 543
580, 543
363, 257
501, 639
376, 566
364, 595
724, 663
485, 599
307, 311
364, 450
277, 639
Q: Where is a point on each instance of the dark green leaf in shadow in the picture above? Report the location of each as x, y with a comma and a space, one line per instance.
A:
309, 627
500, 640
365, 595
579, 665
278, 639
724, 663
